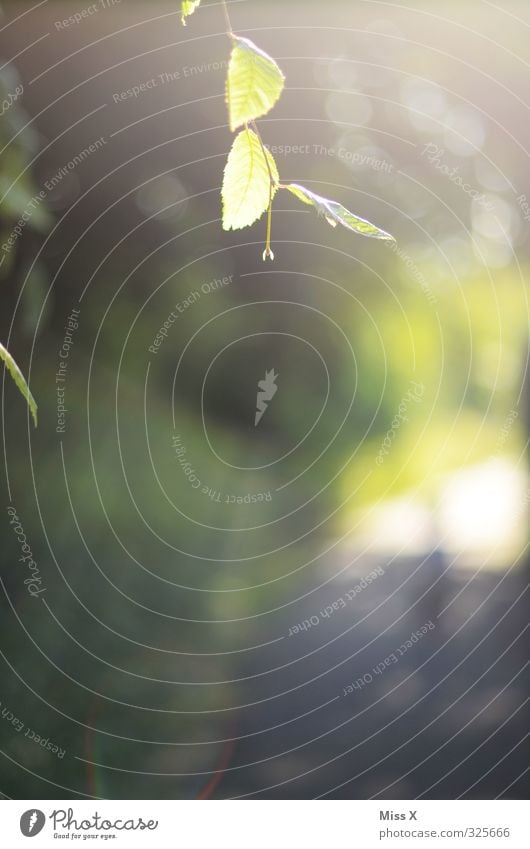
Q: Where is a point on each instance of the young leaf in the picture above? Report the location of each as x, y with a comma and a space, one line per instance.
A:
335, 213
18, 377
247, 184
254, 83
187, 8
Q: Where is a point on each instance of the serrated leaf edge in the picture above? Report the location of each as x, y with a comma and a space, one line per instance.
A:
249, 45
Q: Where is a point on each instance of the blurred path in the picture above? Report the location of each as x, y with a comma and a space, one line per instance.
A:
447, 719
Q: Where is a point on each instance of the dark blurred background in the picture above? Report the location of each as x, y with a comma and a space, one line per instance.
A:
179, 546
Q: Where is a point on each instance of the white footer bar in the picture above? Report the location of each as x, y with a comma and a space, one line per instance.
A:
265, 824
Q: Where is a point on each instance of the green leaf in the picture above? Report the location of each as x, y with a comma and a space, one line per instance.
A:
187, 8
247, 185
18, 377
254, 83
335, 213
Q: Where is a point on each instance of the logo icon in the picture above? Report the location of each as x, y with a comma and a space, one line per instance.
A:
32, 822
267, 389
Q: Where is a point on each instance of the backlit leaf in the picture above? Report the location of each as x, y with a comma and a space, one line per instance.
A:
18, 377
247, 184
187, 8
254, 83
335, 213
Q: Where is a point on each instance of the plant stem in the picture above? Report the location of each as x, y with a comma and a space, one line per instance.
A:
229, 30
255, 128
268, 252
272, 181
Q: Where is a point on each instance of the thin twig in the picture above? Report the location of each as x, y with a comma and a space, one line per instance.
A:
272, 182
264, 151
229, 30
268, 252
